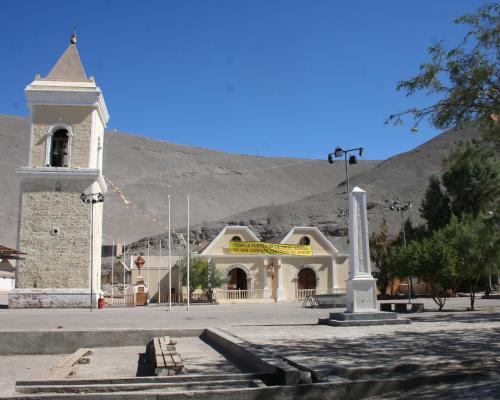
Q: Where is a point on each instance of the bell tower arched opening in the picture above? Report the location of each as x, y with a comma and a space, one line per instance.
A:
59, 149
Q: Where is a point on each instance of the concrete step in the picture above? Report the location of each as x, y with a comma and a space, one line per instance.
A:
136, 387
143, 379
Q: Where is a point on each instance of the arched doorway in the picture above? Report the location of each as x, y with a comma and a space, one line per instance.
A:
306, 279
237, 279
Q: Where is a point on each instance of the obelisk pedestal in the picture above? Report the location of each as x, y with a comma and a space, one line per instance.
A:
361, 298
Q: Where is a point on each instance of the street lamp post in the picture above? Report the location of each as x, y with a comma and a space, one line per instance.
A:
92, 198
402, 208
339, 152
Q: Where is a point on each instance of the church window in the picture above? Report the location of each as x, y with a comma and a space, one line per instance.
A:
236, 239
59, 149
304, 241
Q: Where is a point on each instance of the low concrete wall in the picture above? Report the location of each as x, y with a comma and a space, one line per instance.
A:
63, 342
51, 298
255, 359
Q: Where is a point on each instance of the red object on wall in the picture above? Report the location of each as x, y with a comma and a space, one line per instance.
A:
100, 303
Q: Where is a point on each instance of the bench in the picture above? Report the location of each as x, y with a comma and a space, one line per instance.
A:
167, 361
402, 307
324, 301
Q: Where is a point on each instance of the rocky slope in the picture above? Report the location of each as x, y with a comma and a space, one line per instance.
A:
403, 177
147, 171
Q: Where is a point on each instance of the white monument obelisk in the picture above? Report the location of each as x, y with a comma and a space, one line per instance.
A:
361, 286
361, 298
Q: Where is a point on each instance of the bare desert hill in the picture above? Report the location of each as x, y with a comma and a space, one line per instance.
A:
403, 177
147, 171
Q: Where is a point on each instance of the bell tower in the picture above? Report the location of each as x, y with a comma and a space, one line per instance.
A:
60, 234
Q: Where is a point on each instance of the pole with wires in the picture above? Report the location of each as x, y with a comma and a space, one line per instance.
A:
187, 247
124, 264
159, 277
112, 270
149, 260
169, 261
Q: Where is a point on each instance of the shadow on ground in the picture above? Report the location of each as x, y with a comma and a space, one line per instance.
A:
453, 316
390, 350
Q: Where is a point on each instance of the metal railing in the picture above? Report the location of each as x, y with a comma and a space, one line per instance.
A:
301, 294
119, 300
238, 294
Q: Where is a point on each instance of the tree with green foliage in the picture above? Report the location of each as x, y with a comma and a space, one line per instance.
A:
472, 179
435, 207
477, 244
380, 247
202, 275
464, 80
432, 260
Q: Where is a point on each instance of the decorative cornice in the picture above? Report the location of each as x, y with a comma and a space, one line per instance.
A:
59, 173
68, 96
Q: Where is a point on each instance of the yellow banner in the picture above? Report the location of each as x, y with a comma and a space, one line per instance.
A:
269, 248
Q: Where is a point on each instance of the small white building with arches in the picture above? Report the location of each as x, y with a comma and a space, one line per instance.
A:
276, 277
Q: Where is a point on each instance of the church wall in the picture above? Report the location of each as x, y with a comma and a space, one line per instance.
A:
317, 248
254, 266
342, 271
78, 118
222, 245
291, 267
53, 260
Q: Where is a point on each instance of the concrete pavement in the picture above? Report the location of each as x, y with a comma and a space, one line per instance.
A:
200, 316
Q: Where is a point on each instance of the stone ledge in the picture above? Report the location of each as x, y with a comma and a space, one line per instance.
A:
363, 316
51, 298
363, 319
333, 322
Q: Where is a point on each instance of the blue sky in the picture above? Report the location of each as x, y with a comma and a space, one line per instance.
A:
265, 77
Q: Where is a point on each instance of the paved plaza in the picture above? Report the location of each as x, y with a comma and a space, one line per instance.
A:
202, 316
434, 342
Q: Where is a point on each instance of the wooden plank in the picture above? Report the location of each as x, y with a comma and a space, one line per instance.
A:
160, 362
64, 367
177, 359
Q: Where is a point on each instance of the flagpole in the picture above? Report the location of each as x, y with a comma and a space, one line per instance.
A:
188, 291
159, 277
169, 261
149, 260
124, 264
112, 270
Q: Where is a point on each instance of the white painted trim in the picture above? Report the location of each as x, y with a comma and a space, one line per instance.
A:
334, 272
223, 232
30, 141
92, 139
68, 97
73, 173
52, 129
311, 229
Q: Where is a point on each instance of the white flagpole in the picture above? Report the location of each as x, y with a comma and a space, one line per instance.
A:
188, 292
159, 277
124, 263
112, 271
169, 261
149, 260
